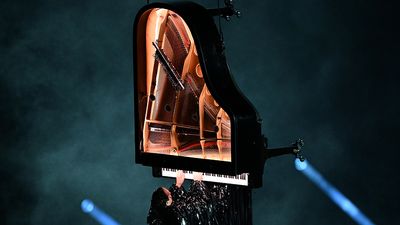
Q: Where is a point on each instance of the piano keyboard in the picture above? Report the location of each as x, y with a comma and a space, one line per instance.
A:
241, 179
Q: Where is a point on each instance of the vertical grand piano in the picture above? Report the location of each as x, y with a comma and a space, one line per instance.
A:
189, 113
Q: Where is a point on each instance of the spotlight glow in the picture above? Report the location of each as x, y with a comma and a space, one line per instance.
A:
300, 165
87, 206
99, 215
338, 198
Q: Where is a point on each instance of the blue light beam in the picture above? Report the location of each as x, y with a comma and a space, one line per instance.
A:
338, 198
99, 215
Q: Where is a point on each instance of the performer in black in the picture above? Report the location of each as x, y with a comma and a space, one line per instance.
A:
199, 205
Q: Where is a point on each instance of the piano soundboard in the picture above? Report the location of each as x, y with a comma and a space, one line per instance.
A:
241, 179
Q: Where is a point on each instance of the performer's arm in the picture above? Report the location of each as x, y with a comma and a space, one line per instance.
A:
198, 189
177, 190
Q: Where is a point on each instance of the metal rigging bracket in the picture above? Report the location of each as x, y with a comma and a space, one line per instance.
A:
294, 148
227, 12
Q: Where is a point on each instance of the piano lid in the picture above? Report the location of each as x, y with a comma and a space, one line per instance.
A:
189, 113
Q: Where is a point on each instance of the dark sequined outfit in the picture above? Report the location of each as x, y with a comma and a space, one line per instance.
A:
208, 204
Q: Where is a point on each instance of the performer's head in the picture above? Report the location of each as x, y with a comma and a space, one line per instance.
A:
161, 198
161, 207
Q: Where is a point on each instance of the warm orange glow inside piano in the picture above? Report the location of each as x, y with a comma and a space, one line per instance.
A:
189, 114
181, 116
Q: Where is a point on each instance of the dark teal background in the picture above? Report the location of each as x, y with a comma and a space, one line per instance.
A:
326, 71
